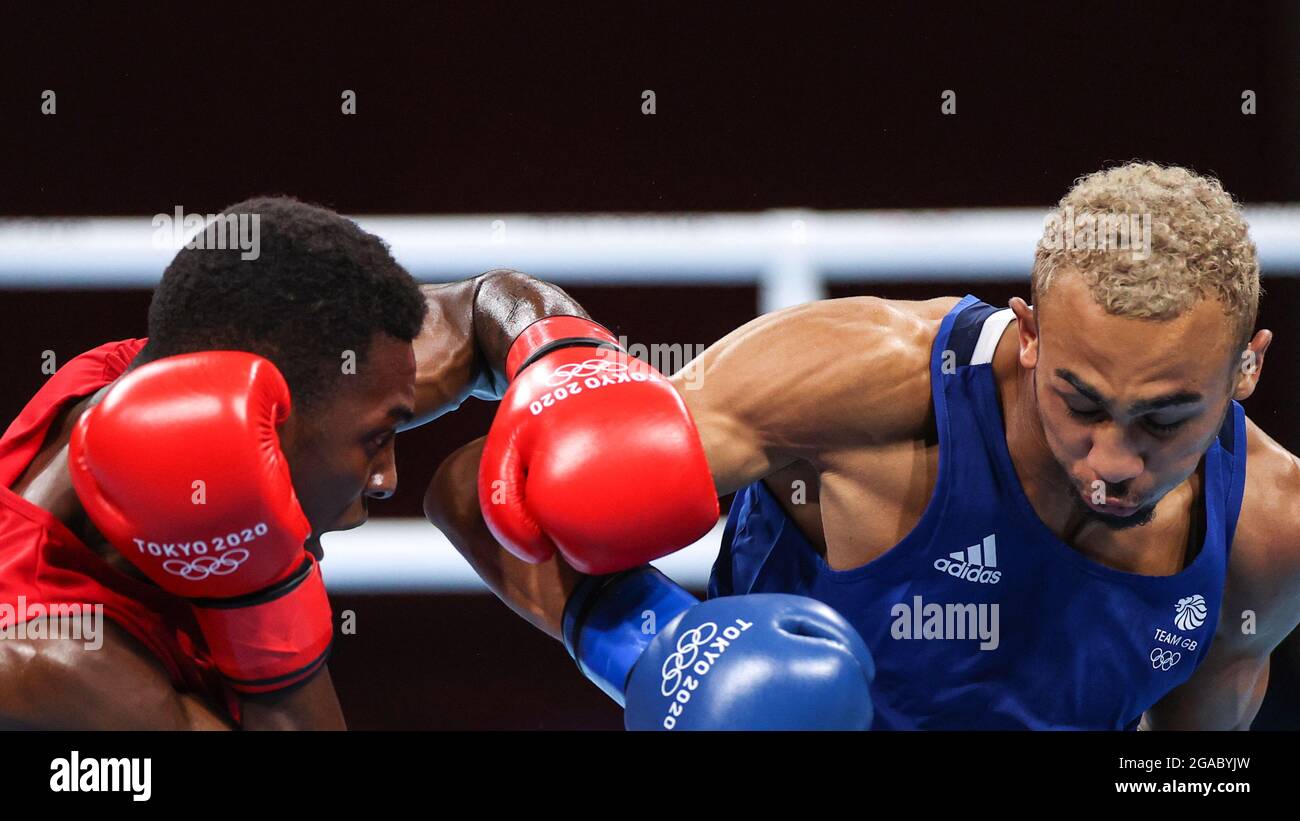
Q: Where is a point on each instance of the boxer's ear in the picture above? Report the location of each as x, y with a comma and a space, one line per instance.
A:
1027, 330
1250, 364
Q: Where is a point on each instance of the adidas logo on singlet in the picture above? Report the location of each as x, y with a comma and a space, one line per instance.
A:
975, 563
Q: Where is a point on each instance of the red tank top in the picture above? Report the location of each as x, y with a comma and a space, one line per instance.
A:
43, 562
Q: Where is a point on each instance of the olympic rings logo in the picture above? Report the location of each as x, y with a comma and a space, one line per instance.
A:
688, 648
577, 370
205, 566
1163, 659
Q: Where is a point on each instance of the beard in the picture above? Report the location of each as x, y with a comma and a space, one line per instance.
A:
1138, 518
1142, 516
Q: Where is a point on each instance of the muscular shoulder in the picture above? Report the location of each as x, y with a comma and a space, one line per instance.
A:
854, 369
1265, 569
65, 683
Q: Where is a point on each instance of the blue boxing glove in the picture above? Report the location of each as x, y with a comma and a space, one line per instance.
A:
766, 661
756, 662
610, 620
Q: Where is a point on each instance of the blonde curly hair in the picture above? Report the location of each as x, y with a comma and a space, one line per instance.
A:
1199, 246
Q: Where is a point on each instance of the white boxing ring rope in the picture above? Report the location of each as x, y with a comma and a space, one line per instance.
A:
790, 255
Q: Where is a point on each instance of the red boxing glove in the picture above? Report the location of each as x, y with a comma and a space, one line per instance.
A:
180, 468
592, 453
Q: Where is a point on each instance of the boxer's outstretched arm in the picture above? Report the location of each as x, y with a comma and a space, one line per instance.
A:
803, 382
62, 684
537, 592
461, 352
781, 387
461, 349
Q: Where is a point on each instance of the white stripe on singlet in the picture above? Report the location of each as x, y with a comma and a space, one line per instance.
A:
990, 334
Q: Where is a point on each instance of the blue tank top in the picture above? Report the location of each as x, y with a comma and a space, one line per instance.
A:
981, 617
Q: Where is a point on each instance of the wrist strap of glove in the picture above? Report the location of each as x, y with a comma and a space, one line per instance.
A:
610, 620
552, 333
273, 639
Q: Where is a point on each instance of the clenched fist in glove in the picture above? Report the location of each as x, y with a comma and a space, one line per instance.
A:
592, 454
180, 468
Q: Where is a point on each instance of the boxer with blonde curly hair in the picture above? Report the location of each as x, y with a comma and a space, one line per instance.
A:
1054, 517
